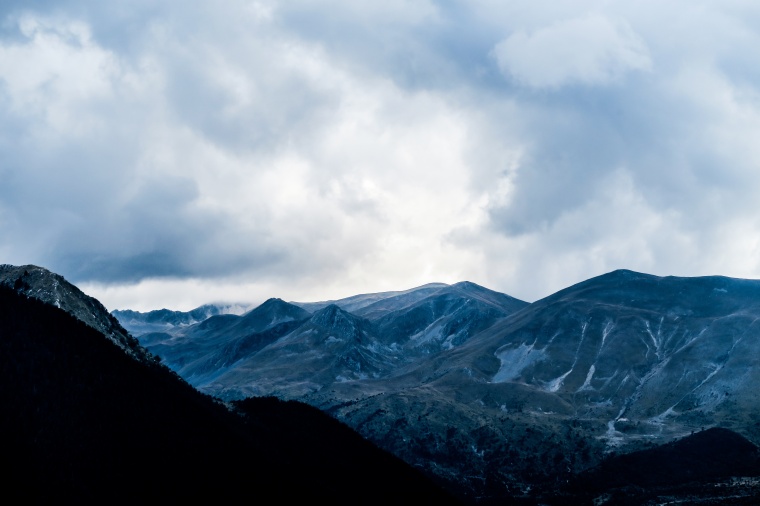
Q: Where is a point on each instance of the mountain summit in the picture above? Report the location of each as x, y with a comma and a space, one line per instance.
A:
53, 289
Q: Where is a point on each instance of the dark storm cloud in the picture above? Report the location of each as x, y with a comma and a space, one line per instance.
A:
157, 232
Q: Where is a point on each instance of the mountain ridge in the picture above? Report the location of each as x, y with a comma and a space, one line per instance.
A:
354, 302
402, 327
53, 289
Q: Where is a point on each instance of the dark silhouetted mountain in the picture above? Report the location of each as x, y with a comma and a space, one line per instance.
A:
83, 421
714, 466
51, 288
707, 456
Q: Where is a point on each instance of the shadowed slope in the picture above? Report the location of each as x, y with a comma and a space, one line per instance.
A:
51, 288
715, 466
81, 420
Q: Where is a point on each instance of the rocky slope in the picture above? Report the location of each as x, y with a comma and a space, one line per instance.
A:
280, 348
498, 397
652, 356
616, 363
51, 288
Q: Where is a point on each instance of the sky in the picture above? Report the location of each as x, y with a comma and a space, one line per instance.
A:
168, 154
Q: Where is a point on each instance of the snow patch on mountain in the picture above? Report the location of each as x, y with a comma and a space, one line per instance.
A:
515, 361
587, 383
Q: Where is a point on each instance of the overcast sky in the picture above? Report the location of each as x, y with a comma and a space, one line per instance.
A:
168, 154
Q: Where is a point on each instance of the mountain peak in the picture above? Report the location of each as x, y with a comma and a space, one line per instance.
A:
51, 288
329, 314
624, 274
270, 313
277, 306
274, 302
337, 321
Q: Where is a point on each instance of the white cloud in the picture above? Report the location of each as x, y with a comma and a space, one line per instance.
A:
615, 228
57, 71
589, 50
344, 177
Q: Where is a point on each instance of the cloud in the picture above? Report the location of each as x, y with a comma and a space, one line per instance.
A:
589, 50
195, 160
319, 149
614, 227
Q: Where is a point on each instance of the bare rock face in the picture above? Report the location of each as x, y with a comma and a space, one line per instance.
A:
280, 348
53, 289
652, 356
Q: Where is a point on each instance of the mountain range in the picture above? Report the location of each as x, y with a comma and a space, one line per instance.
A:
237, 356
492, 395
623, 389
